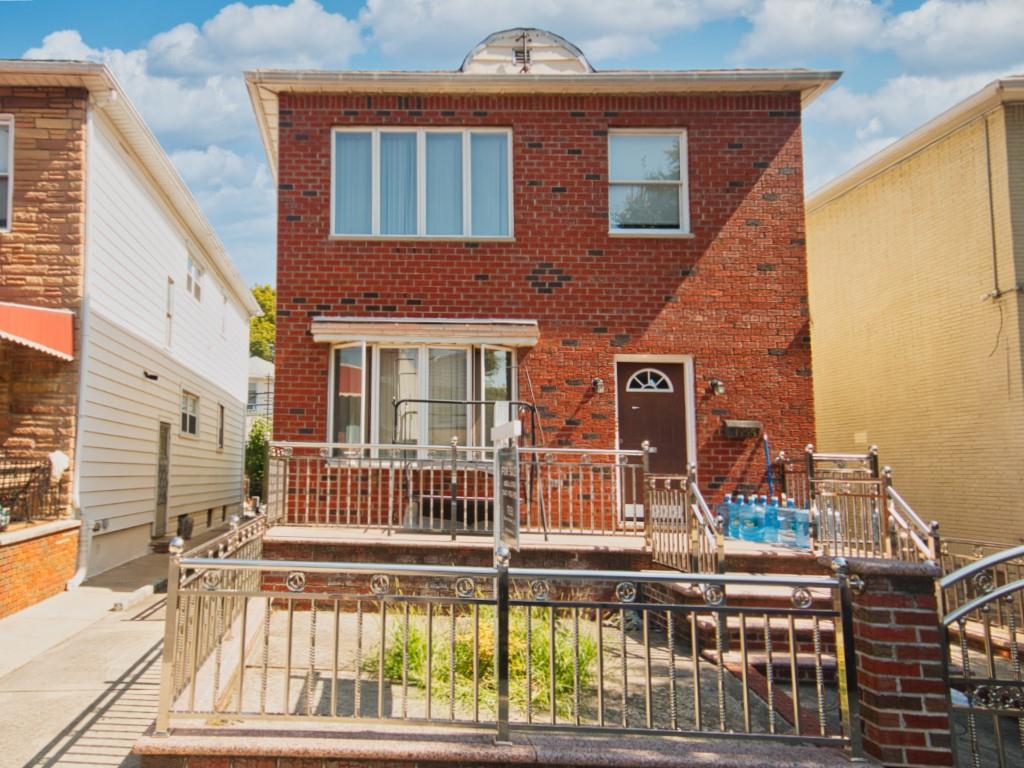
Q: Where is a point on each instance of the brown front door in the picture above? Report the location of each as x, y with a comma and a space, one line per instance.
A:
652, 407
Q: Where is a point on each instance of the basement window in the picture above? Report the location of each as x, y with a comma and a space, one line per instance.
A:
441, 183
6, 171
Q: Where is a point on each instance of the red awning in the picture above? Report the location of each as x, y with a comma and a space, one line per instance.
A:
47, 330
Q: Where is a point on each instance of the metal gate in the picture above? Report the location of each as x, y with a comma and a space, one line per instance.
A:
983, 637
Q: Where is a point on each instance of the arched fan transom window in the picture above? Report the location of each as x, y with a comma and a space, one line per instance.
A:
649, 380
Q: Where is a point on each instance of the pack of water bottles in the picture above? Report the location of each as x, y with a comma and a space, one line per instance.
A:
764, 520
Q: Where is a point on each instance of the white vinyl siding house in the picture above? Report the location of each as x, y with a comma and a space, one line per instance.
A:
160, 320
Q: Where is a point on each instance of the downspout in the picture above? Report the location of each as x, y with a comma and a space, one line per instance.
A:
85, 532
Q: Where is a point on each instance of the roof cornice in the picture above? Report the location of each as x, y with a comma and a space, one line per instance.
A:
996, 93
107, 96
265, 85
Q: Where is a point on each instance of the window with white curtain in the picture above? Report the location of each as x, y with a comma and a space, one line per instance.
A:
368, 380
6, 170
394, 182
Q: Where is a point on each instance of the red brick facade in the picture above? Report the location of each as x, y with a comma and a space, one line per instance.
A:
733, 296
34, 569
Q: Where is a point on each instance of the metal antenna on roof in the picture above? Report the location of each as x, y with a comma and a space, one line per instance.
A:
525, 40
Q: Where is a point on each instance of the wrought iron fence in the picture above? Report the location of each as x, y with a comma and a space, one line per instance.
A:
27, 491
505, 648
450, 489
984, 641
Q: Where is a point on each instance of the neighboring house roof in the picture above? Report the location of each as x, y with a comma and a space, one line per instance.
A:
996, 93
108, 96
260, 368
565, 70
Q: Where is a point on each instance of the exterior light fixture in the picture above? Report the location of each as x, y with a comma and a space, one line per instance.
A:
717, 386
597, 384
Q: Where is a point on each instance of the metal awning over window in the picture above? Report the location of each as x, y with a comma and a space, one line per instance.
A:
507, 333
46, 330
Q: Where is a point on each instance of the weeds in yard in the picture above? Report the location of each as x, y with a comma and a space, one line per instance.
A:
484, 684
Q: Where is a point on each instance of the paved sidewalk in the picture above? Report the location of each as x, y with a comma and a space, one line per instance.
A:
87, 699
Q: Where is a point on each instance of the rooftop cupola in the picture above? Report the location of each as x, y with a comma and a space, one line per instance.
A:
525, 50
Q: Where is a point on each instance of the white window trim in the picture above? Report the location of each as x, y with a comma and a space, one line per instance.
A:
8, 120
646, 390
189, 393
684, 230
421, 183
371, 406
194, 282
485, 440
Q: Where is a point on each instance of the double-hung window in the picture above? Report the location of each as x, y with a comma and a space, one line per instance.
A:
189, 413
445, 182
194, 280
437, 390
647, 190
6, 170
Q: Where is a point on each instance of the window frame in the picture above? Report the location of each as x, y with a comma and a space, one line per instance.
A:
194, 273
370, 408
466, 132
220, 426
685, 226
8, 120
185, 393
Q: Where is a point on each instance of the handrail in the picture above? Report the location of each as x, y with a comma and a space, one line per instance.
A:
467, 448
924, 535
981, 565
895, 496
983, 599
399, 569
704, 516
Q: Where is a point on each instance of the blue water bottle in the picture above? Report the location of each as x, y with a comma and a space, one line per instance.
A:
787, 521
802, 528
722, 508
748, 520
771, 521
735, 505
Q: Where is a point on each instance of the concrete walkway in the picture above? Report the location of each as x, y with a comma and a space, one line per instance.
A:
85, 700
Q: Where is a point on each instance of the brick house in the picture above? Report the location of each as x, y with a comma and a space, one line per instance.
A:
123, 329
624, 250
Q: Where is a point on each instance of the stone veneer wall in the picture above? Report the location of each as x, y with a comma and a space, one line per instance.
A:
41, 264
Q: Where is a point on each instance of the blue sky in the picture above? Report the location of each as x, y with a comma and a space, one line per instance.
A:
904, 61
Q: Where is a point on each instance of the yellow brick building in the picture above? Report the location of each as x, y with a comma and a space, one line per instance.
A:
915, 262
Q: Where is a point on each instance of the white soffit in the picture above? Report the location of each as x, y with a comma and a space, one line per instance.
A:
508, 333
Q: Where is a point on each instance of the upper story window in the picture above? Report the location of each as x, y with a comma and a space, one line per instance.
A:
421, 183
189, 413
6, 170
194, 281
647, 190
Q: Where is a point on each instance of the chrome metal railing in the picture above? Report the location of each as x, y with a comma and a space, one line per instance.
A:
975, 568
505, 648
856, 511
983, 636
684, 533
450, 489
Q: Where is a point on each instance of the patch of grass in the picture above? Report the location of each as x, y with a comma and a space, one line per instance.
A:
398, 646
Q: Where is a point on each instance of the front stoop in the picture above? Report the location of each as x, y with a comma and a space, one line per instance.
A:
264, 745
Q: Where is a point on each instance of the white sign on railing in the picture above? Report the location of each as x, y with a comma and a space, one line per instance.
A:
506, 483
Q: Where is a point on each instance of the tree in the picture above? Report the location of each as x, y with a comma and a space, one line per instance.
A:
256, 456
262, 329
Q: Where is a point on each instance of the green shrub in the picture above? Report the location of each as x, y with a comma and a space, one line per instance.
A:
486, 686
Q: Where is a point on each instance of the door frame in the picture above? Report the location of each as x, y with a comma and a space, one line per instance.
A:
159, 524
689, 405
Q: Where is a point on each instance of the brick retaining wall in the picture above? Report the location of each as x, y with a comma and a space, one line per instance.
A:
36, 563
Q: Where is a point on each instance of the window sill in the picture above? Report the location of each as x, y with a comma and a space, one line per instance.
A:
432, 238
651, 233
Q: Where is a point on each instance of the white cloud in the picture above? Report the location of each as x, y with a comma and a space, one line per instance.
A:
792, 30
957, 34
300, 35
441, 32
